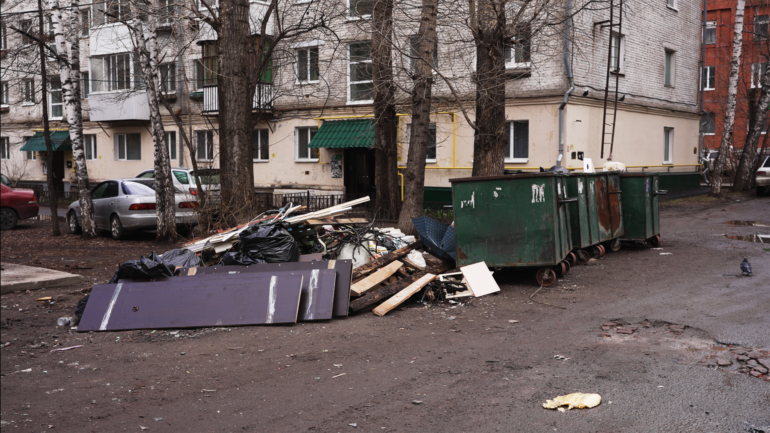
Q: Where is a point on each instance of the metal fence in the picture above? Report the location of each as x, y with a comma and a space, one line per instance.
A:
43, 198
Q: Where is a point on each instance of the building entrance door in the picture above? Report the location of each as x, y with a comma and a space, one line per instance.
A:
358, 167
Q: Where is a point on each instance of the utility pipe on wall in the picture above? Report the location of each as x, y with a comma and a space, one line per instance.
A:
567, 31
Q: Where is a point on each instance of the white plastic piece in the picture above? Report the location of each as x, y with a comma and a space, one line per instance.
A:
416, 257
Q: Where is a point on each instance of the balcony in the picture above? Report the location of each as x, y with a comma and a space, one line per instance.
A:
263, 98
128, 105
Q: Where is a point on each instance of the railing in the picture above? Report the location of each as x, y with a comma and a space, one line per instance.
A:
41, 194
263, 97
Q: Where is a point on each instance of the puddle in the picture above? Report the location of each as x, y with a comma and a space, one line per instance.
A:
748, 223
756, 238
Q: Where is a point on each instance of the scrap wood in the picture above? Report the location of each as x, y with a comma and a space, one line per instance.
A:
403, 295
384, 260
66, 348
360, 287
385, 292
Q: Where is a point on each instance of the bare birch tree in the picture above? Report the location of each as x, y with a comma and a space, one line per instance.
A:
732, 91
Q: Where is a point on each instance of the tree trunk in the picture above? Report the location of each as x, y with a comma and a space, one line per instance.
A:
414, 176
53, 192
758, 117
732, 91
235, 117
147, 47
388, 199
69, 73
489, 137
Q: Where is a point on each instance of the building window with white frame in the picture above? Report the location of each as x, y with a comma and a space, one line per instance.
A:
26, 27
672, 4
5, 149
361, 87
758, 71
618, 53
85, 84
360, 8
55, 99
668, 145
204, 145
307, 65
517, 135
89, 143
518, 53
171, 143
129, 147
28, 95
761, 24
168, 77
4, 93
708, 123
85, 22
29, 155
304, 153
3, 36
708, 78
260, 145
710, 33
669, 73
112, 11
167, 12
414, 52
110, 73
430, 146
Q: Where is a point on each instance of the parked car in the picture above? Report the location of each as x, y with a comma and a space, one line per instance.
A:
126, 205
184, 180
763, 178
5, 181
16, 204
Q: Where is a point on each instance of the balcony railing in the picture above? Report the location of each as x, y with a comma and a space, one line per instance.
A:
263, 98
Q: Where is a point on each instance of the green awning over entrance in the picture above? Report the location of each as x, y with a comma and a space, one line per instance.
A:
343, 134
60, 140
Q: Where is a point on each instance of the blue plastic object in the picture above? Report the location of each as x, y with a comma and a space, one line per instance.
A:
436, 236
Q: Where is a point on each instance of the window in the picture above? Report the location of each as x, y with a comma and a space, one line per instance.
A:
85, 22
85, 84
129, 147
758, 71
670, 68
182, 177
305, 153
168, 10
3, 36
29, 92
517, 134
204, 145
617, 53
26, 27
113, 11
430, 146
708, 78
111, 73
519, 52
3, 93
89, 142
360, 8
360, 72
710, 33
209, 64
171, 143
54, 96
668, 145
168, 77
307, 65
671, 3
29, 155
708, 123
4, 148
414, 52
260, 144
761, 23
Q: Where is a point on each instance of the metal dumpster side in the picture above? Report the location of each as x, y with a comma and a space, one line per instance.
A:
596, 216
511, 221
640, 206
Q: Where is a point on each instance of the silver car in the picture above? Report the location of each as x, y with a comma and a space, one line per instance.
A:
125, 205
183, 180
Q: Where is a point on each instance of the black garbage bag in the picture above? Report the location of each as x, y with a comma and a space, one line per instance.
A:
240, 258
151, 266
274, 243
81, 306
181, 257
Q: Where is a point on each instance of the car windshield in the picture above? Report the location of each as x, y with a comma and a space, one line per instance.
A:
136, 188
767, 162
209, 176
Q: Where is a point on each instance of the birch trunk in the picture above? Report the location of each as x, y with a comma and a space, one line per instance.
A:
385, 130
53, 192
147, 47
732, 91
746, 167
414, 176
69, 74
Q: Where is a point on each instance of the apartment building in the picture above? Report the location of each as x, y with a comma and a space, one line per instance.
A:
320, 86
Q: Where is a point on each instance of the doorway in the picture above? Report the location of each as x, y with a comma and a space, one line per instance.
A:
358, 168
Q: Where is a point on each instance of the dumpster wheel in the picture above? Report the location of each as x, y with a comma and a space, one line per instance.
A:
571, 259
615, 245
595, 252
561, 269
546, 277
583, 257
602, 250
654, 241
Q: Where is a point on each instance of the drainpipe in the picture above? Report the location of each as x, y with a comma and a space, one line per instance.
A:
703, 67
568, 66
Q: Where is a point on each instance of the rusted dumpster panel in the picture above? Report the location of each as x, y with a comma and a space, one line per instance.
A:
596, 216
640, 202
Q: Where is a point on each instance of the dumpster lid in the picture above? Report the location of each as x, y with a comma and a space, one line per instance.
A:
504, 177
637, 174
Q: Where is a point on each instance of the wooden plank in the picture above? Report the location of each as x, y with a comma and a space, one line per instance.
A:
384, 260
403, 295
310, 257
343, 268
480, 280
372, 280
193, 302
412, 265
383, 293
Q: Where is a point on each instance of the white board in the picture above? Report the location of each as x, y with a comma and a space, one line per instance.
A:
480, 281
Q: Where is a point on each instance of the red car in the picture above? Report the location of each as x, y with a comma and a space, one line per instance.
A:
16, 204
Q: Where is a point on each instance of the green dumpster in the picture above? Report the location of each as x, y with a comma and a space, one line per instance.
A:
640, 207
513, 221
596, 216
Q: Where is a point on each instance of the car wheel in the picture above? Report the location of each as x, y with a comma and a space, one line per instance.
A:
116, 228
8, 218
72, 222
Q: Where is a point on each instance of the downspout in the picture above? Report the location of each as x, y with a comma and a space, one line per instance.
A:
703, 67
180, 86
568, 66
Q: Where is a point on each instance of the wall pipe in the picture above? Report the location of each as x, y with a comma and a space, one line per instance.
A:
567, 30
703, 68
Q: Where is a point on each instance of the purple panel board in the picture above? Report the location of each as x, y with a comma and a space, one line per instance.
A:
192, 302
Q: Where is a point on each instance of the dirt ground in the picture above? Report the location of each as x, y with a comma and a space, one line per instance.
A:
484, 365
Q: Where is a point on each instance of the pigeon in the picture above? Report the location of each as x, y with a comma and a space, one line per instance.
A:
745, 267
